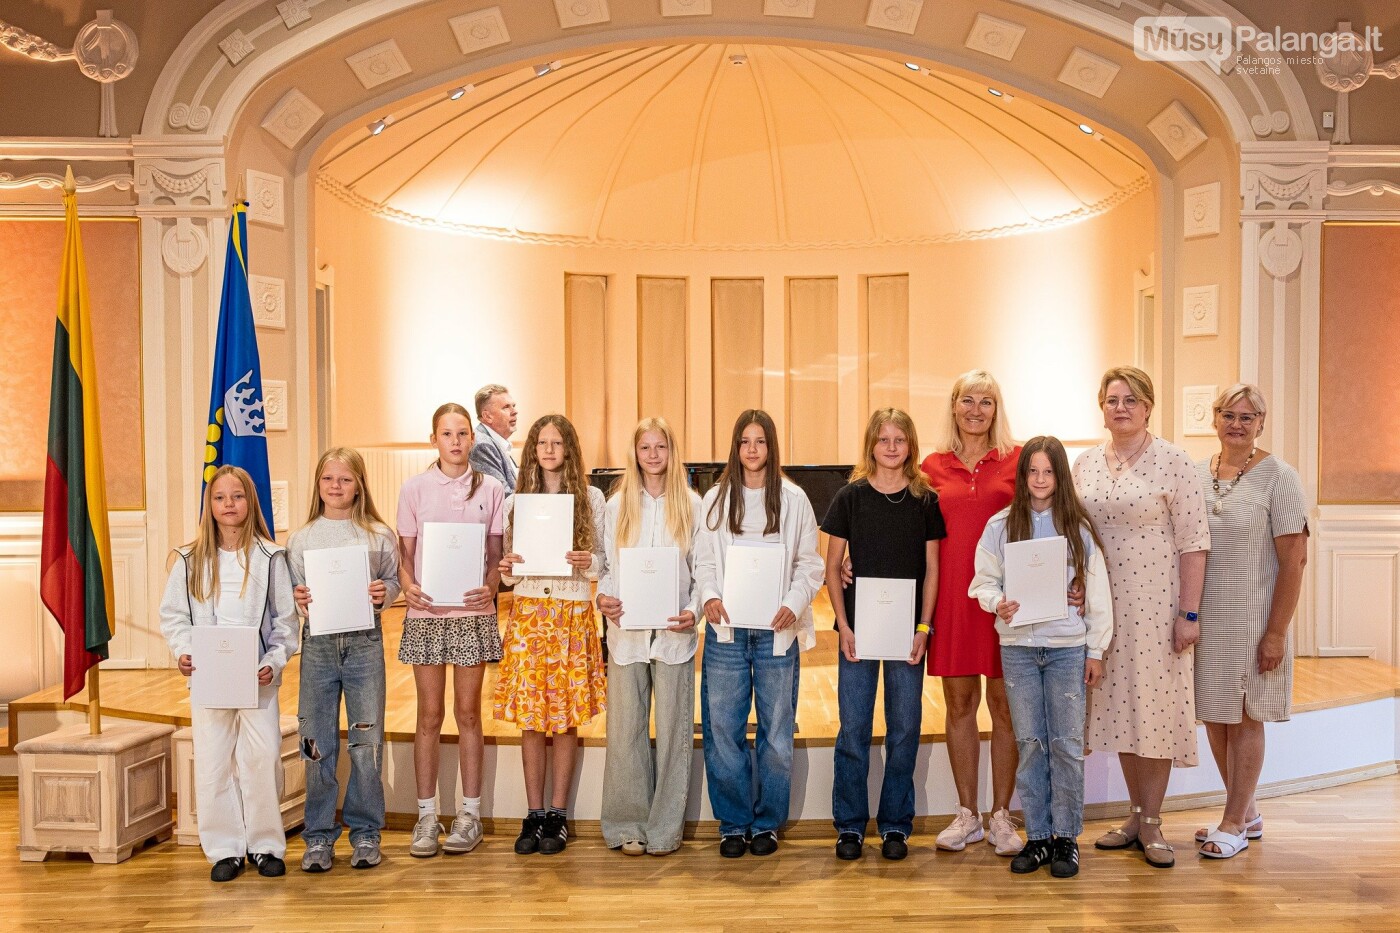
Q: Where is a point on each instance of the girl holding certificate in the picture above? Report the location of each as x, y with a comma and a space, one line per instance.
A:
1048, 663
234, 574
552, 677
652, 508
348, 663
463, 634
753, 505
888, 518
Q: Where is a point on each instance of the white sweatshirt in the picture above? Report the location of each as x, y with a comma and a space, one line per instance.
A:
1091, 626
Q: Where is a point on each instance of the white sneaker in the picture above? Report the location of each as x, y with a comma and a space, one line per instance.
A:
465, 834
967, 827
1001, 833
425, 837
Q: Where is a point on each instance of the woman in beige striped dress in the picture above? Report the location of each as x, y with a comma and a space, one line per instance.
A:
1244, 659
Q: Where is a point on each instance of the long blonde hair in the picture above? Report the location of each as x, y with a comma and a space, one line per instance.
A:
574, 479
918, 482
977, 380
362, 510
204, 549
679, 514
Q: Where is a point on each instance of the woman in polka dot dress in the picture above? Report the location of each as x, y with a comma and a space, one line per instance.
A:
1146, 501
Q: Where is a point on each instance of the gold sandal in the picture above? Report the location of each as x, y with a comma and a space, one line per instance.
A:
1108, 843
1155, 821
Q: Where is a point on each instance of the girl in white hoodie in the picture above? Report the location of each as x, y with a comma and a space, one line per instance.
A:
1048, 664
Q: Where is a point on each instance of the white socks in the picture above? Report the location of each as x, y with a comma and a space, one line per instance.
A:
427, 807
472, 805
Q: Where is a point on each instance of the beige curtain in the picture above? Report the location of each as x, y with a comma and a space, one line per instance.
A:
585, 359
812, 387
661, 350
736, 355
887, 341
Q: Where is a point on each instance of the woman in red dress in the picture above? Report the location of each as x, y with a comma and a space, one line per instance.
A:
974, 471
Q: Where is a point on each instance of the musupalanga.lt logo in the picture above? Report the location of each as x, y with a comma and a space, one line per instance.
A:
1220, 43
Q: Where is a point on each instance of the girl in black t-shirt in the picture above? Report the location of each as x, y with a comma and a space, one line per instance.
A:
888, 518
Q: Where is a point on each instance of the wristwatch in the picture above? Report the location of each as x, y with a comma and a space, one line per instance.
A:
1189, 616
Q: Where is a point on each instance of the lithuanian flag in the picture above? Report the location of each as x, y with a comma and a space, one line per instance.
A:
76, 561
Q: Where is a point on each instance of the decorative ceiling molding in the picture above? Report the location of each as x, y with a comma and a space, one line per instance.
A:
572, 13
105, 50
483, 29
291, 118
894, 15
294, 12
236, 46
11, 182
378, 64
686, 8
1202, 211
335, 188
1177, 130
1373, 186
998, 38
800, 9
1087, 72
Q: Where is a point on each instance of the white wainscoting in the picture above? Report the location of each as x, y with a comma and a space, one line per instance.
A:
388, 468
1358, 581
33, 647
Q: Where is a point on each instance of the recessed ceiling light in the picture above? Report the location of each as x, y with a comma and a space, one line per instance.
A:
738, 59
543, 69
1086, 129
457, 93
994, 92
377, 127
911, 66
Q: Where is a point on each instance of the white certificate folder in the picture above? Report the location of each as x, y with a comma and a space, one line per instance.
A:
755, 578
1035, 578
338, 578
542, 532
454, 560
225, 659
884, 619
649, 586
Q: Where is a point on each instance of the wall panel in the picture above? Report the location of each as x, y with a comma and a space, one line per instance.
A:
813, 396
736, 358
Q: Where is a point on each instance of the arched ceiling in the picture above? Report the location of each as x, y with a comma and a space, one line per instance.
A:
679, 146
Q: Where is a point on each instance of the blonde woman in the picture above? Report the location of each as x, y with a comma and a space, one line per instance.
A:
644, 795
888, 519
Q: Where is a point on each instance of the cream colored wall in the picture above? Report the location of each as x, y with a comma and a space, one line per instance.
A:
422, 317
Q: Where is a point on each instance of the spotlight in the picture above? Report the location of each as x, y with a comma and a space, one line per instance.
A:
457, 93
543, 69
1086, 129
738, 59
995, 93
377, 127
911, 66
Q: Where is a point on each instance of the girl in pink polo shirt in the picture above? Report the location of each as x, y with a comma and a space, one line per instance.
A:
463, 635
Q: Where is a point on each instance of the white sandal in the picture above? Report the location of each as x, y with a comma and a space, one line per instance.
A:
1229, 845
1254, 829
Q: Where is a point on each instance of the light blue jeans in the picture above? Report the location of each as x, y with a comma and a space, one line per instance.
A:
1045, 690
733, 678
904, 710
349, 664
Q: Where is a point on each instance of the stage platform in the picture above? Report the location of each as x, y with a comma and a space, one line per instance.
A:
1345, 727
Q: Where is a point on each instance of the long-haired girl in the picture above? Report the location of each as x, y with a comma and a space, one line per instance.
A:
552, 678
234, 574
644, 800
1048, 664
349, 664
464, 635
888, 518
753, 502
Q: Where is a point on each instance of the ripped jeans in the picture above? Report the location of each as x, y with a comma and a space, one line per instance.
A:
1045, 690
352, 664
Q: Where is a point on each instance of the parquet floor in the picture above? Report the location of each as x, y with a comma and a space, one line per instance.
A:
1329, 861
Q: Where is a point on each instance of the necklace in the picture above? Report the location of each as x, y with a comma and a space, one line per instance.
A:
1215, 479
903, 494
1122, 463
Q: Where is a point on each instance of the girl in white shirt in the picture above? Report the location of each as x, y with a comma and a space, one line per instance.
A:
652, 507
743, 667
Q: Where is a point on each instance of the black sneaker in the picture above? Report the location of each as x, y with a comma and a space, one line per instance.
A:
226, 869
849, 846
1064, 862
1032, 857
269, 866
733, 846
895, 846
554, 833
764, 843
528, 842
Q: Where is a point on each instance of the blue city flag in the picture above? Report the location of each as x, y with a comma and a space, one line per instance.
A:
237, 431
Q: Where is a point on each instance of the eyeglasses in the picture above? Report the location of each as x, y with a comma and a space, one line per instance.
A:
1129, 402
1244, 421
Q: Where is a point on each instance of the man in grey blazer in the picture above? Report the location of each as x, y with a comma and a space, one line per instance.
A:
496, 414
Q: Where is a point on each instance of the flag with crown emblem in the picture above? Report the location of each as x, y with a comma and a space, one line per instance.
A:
237, 430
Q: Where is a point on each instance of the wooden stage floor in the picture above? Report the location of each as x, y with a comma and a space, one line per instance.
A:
161, 696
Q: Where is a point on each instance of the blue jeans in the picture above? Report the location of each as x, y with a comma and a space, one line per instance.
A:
352, 664
1045, 690
904, 712
734, 677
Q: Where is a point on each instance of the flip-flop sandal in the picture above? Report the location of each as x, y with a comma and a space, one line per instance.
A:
1229, 845
1254, 829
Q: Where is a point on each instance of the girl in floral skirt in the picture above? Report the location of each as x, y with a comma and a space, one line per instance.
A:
552, 677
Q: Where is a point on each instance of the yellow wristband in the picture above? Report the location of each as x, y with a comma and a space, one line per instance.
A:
922, 627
